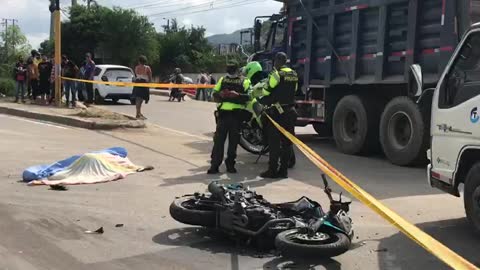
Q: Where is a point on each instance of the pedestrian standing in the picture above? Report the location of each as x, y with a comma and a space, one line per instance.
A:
143, 74
32, 73
33, 76
88, 75
212, 81
70, 70
81, 91
279, 99
202, 79
45, 71
231, 94
20, 72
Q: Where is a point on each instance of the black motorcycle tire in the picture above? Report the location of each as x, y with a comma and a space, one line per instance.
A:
251, 148
196, 217
339, 244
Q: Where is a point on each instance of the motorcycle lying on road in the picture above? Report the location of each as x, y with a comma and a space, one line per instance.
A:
299, 228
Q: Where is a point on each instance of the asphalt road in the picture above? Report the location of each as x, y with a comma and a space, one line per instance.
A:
44, 229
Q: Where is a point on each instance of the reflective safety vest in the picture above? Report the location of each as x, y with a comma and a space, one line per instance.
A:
281, 87
237, 84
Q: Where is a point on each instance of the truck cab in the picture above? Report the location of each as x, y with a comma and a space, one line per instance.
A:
455, 125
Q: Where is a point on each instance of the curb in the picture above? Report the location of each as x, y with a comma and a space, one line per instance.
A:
73, 121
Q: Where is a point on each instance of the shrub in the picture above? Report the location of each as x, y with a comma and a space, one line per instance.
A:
7, 86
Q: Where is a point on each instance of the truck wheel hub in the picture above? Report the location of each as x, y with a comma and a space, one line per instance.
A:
476, 200
350, 126
400, 130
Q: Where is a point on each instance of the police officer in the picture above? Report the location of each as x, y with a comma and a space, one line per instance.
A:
231, 94
279, 97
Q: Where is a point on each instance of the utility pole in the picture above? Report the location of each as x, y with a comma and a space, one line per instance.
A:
13, 35
58, 53
5, 23
7, 42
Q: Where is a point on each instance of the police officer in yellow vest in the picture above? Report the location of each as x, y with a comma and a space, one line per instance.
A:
231, 94
279, 97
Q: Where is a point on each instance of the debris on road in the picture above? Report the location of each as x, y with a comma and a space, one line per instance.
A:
58, 187
98, 231
118, 225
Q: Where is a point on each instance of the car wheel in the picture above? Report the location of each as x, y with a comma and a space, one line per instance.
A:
98, 99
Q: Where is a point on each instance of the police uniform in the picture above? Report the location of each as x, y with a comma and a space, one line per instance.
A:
279, 96
229, 117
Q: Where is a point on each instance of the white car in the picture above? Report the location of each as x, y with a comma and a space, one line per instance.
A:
113, 73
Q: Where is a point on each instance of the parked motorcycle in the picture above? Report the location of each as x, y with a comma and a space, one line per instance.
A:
299, 228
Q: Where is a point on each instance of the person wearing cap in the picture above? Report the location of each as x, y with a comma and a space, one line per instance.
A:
231, 94
279, 98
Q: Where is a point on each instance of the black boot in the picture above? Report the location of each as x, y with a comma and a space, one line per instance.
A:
231, 169
269, 174
213, 170
282, 173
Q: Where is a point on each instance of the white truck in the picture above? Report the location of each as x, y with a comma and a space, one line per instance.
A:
454, 153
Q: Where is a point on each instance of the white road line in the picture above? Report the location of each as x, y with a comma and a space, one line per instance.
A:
204, 138
33, 121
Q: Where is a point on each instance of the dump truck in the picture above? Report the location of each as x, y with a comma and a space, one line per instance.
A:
358, 61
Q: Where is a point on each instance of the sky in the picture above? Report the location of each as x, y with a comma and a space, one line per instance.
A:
34, 17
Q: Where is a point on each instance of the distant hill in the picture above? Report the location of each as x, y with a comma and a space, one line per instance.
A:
226, 38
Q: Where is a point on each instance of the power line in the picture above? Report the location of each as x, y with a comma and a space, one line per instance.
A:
169, 4
149, 4
181, 13
202, 7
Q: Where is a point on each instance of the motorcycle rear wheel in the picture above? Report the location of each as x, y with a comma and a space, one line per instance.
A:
185, 211
293, 243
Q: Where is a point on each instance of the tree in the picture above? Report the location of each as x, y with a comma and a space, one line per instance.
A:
188, 49
15, 45
47, 47
128, 35
124, 34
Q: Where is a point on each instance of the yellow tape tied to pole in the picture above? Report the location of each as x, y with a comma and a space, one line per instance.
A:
151, 85
424, 240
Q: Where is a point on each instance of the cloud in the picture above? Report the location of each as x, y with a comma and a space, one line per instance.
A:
34, 17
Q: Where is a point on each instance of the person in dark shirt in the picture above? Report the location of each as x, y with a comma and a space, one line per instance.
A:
70, 70
89, 74
20, 72
45, 70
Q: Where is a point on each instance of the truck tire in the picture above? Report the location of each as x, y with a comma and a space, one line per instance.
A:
403, 134
471, 197
355, 125
322, 129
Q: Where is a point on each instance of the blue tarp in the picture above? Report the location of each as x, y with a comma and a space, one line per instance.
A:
44, 171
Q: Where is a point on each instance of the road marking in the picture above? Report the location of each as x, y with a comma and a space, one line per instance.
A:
38, 122
204, 138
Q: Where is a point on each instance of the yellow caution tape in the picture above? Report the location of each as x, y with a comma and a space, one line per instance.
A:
150, 85
424, 240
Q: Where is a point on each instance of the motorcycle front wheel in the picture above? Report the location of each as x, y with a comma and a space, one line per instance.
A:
187, 211
252, 141
293, 243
